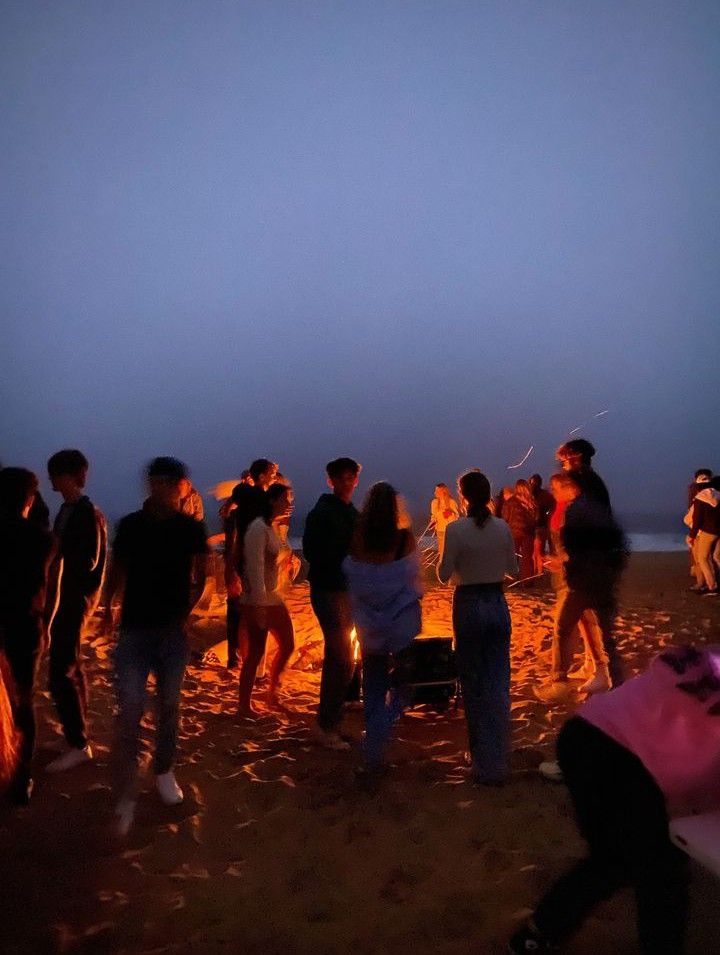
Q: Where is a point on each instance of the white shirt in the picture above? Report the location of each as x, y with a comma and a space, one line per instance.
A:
263, 552
478, 555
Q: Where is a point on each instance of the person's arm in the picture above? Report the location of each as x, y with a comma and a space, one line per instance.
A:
199, 576
52, 573
311, 537
696, 519
232, 580
450, 554
255, 562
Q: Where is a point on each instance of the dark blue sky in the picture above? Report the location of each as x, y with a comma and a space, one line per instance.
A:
425, 234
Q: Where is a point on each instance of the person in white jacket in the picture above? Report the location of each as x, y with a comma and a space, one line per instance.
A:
265, 559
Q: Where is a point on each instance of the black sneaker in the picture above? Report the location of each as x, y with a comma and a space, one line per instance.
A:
710, 592
702, 589
528, 939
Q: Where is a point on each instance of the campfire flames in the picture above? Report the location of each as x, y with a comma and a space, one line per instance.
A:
355, 643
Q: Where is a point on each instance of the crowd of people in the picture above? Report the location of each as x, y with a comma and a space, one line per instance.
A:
364, 575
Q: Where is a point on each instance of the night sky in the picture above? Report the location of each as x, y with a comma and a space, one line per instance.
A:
428, 235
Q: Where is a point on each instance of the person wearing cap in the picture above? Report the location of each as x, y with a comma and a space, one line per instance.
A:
159, 563
576, 456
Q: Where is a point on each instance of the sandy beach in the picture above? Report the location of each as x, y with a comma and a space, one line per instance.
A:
276, 851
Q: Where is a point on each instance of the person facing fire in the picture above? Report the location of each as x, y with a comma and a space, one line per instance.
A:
576, 456
443, 511
326, 542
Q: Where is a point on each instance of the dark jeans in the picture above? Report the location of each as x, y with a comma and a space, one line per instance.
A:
334, 613
598, 610
385, 696
21, 642
621, 813
164, 653
481, 622
67, 678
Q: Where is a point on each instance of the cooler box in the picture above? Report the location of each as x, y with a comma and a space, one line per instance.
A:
432, 669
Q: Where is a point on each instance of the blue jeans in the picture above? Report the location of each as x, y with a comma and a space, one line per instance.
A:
163, 652
482, 626
385, 696
334, 613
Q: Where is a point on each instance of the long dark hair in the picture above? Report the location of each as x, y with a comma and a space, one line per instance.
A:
475, 488
377, 527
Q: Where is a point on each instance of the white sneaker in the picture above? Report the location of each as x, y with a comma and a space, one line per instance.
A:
71, 758
328, 739
124, 817
599, 683
551, 770
167, 786
583, 671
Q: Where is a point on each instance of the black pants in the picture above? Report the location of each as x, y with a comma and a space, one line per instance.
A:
234, 608
622, 815
21, 641
67, 678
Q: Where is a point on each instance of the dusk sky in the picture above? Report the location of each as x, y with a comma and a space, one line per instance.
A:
428, 235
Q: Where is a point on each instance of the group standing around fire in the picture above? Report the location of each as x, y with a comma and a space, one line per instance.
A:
364, 573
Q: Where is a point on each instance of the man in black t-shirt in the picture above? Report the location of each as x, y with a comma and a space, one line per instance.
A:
26, 552
159, 560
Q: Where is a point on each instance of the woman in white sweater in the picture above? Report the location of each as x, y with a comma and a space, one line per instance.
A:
479, 553
265, 557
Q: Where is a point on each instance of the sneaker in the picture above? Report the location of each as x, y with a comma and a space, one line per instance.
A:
328, 739
699, 589
21, 790
599, 683
70, 759
551, 770
124, 817
528, 939
711, 592
167, 786
581, 672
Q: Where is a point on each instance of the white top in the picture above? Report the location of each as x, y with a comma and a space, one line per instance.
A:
263, 553
439, 516
478, 555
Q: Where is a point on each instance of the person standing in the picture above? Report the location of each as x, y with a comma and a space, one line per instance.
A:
159, 561
479, 554
521, 515
704, 536
576, 456
326, 542
26, 552
265, 563
383, 574
545, 504
443, 511
81, 531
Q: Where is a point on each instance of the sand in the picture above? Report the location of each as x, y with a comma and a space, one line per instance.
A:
276, 851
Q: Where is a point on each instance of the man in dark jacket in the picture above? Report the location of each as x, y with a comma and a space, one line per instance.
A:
576, 457
326, 542
26, 552
81, 532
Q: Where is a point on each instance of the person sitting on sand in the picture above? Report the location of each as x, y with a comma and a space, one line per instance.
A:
443, 511
631, 759
520, 512
383, 580
265, 561
576, 456
26, 553
591, 556
328, 532
159, 564
81, 531
479, 553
